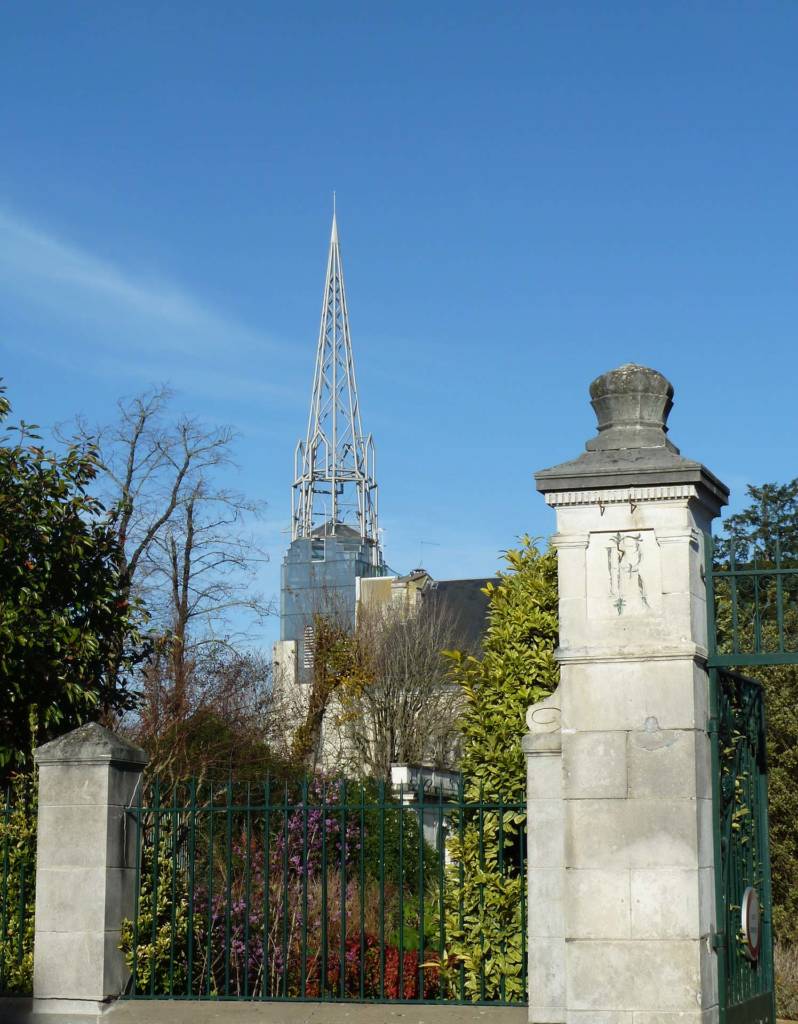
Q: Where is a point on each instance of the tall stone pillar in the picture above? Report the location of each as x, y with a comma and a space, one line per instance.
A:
85, 873
638, 889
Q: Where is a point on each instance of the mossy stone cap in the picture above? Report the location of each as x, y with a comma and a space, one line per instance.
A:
632, 404
90, 744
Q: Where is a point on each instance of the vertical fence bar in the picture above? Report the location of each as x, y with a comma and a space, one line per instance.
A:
137, 890
229, 887
757, 619
155, 864
779, 597
323, 979
482, 889
733, 578
267, 827
173, 907
343, 796
6, 872
209, 948
247, 885
285, 890
720, 938
362, 887
441, 893
502, 978
420, 886
192, 846
21, 908
523, 922
401, 891
303, 953
461, 840
381, 799
767, 893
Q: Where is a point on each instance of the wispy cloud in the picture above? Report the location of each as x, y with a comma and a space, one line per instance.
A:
36, 265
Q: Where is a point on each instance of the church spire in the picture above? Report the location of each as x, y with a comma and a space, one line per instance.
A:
334, 481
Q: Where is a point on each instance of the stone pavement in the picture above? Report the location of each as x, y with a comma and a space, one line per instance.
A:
165, 1011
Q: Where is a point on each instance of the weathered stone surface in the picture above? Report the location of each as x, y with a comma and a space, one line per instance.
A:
634, 975
616, 834
682, 1017
594, 765
597, 904
599, 1017
545, 833
91, 744
667, 762
665, 903
69, 965
544, 894
72, 835
625, 695
547, 985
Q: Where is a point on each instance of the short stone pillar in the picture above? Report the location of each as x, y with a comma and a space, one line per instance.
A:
85, 875
545, 876
638, 884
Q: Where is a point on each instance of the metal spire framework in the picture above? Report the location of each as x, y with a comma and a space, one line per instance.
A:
334, 482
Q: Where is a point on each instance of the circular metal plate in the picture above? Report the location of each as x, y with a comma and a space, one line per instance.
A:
751, 923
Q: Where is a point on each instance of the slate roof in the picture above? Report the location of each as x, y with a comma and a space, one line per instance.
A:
465, 601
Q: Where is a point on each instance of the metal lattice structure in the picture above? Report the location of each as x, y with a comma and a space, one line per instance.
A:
334, 467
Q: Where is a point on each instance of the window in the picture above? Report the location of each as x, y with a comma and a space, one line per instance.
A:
309, 641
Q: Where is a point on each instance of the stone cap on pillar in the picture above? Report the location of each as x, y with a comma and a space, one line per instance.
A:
91, 744
631, 449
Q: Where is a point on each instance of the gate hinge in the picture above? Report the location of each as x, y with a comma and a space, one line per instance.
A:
717, 940
712, 727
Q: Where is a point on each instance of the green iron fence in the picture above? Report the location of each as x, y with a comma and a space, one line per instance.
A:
752, 597
327, 890
752, 607
739, 771
17, 889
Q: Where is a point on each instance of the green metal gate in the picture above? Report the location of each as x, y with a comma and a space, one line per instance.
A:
327, 889
739, 774
746, 604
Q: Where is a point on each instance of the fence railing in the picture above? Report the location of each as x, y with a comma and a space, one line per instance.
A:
328, 890
752, 597
17, 890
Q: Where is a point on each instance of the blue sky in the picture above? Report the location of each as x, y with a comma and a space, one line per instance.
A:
528, 194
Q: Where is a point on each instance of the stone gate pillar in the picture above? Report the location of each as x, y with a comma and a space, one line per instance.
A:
85, 870
637, 879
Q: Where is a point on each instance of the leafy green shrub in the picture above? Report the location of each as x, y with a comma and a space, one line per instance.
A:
484, 895
17, 885
392, 827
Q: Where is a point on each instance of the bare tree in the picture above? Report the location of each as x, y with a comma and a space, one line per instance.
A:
404, 708
228, 720
184, 545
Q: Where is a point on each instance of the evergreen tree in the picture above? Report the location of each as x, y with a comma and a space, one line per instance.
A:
65, 617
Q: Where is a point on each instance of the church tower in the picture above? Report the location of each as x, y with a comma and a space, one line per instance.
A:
334, 533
